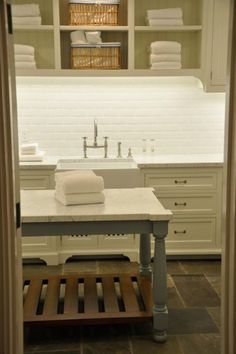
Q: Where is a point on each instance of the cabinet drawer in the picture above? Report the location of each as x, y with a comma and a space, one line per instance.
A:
192, 233
188, 204
34, 182
180, 181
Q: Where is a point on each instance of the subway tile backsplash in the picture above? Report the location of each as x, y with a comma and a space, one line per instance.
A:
176, 112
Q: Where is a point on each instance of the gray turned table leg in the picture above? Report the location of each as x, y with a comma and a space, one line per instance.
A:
160, 312
145, 255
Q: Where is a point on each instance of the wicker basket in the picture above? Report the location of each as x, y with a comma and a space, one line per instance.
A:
94, 13
105, 56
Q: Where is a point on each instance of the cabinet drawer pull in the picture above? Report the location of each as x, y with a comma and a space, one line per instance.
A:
180, 204
180, 232
180, 182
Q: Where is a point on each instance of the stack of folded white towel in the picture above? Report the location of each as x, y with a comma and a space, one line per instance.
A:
165, 17
30, 152
165, 55
26, 14
85, 37
79, 187
24, 56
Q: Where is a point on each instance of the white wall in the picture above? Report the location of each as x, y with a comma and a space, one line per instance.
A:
58, 112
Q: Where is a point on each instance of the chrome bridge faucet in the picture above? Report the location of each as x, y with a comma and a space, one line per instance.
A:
95, 144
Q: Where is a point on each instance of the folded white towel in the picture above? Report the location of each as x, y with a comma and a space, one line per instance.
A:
165, 13
80, 182
28, 148
23, 49
156, 58
25, 10
24, 57
164, 47
166, 65
78, 37
80, 198
25, 65
36, 20
37, 157
93, 37
165, 22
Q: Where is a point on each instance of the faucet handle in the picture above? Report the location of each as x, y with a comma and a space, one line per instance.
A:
105, 146
129, 153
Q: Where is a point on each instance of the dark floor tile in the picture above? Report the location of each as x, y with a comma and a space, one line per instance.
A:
175, 267
105, 332
149, 346
107, 347
196, 291
43, 339
173, 299
118, 266
200, 343
215, 313
55, 352
215, 281
142, 329
207, 267
188, 321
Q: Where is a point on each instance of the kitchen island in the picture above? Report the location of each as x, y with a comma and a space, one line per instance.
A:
135, 210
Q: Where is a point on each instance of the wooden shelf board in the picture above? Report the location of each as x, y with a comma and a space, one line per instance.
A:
94, 28
168, 28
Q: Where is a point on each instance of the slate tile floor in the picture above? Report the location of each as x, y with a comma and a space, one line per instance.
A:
194, 315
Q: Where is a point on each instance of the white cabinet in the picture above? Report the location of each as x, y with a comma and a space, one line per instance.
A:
43, 247
194, 195
52, 39
217, 45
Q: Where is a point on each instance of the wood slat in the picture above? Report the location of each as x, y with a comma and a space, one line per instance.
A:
90, 295
128, 294
52, 297
109, 295
71, 296
32, 297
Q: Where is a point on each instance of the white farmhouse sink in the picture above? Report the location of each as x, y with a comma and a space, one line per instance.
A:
116, 172
96, 163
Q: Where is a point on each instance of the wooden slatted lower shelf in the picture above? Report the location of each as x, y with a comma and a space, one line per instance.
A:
87, 299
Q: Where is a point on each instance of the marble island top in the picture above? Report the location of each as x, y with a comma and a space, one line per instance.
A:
120, 204
149, 161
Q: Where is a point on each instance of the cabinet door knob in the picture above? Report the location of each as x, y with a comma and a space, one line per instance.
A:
180, 204
180, 181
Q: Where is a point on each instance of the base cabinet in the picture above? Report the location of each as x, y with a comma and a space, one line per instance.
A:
44, 248
194, 195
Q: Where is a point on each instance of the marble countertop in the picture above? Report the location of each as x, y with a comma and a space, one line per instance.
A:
120, 204
203, 160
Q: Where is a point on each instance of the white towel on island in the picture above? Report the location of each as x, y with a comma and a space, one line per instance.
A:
78, 37
25, 65
164, 47
36, 20
23, 49
80, 198
166, 65
176, 12
24, 57
156, 58
93, 37
165, 22
80, 182
25, 10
